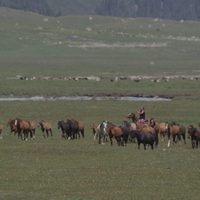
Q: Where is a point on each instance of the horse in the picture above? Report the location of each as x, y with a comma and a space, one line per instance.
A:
74, 128
100, 132
13, 128
65, 129
132, 130
160, 128
120, 133
133, 117
194, 134
22, 127
46, 128
145, 137
176, 131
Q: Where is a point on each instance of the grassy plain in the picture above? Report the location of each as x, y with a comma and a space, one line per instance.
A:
33, 45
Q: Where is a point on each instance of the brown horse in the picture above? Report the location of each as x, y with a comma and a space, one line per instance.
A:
194, 134
120, 133
133, 117
46, 128
13, 128
160, 128
176, 131
22, 128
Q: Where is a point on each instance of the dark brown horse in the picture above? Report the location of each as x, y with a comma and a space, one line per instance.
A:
74, 128
146, 137
194, 134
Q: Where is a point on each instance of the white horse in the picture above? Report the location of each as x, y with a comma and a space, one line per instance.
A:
101, 132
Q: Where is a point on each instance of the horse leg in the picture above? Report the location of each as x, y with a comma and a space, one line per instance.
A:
156, 140
100, 135
111, 141
26, 135
151, 146
31, 133
183, 136
197, 142
118, 139
174, 139
44, 134
51, 132
47, 133
145, 146
169, 139
83, 133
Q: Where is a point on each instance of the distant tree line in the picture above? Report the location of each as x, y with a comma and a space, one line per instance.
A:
168, 9
39, 6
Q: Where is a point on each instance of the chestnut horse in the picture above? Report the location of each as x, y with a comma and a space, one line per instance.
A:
176, 131
160, 128
120, 133
22, 127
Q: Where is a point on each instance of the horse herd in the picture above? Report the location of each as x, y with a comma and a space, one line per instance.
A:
147, 133
25, 129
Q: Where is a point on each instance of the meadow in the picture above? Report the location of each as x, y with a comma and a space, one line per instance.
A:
53, 168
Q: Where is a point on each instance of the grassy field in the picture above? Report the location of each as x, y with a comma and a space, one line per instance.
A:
57, 169
33, 45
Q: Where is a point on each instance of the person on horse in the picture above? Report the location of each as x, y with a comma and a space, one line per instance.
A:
141, 113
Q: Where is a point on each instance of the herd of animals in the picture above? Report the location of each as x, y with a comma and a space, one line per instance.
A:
147, 133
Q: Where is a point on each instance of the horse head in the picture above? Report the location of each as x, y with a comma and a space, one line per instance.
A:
132, 116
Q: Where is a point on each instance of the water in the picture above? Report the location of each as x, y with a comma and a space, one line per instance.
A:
84, 98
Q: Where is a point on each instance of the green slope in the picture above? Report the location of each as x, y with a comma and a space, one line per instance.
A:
84, 44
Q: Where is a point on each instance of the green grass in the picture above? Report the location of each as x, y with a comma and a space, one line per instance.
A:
178, 89
57, 169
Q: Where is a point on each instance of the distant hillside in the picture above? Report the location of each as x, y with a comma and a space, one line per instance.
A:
167, 9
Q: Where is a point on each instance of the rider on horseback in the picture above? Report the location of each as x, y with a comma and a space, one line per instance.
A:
141, 113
